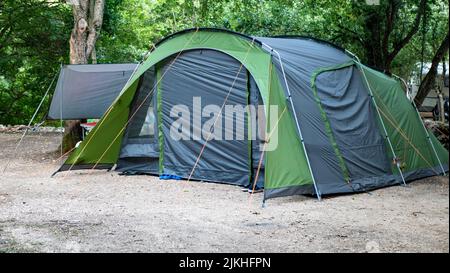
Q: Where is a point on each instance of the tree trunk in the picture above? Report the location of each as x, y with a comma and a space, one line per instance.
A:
380, 45
88, 19
373, 41
429, 80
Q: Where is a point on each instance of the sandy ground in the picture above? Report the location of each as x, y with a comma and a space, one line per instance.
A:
99, 211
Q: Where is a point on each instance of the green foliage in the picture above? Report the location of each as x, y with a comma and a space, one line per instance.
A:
34, 34
429, 38
141, 23
33, 41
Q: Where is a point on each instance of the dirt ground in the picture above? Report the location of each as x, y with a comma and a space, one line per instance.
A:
99, 211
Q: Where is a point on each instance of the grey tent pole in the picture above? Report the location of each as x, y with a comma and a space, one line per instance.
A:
296, 121
31, 120
379, 115
61, 116
423, 125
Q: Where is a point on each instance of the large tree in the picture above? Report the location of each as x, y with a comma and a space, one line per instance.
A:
88, 19
381, 30
87, 22
428, 81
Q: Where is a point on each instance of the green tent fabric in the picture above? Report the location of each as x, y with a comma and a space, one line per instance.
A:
403, 125
322, 128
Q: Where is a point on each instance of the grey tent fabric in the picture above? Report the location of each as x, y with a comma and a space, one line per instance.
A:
140, 148
258, 131
353, 122
86, 91
140, 153
338, 89
207, 75
301, 58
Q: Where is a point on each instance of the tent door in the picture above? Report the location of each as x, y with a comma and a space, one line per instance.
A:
140, 150
353, 125
193, 90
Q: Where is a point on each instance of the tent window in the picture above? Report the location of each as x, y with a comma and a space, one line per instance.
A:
141, 136
145, 129
140, 150
142, 127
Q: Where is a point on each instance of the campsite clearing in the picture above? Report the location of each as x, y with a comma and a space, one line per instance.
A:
101, 211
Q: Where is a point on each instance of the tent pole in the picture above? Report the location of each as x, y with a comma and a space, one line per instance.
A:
379, 115
31, 120
423, 125
61, 118
296, 122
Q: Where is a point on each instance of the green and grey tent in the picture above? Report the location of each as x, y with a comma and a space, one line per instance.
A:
340, 126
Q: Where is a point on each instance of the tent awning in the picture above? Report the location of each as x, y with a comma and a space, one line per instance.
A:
86, 91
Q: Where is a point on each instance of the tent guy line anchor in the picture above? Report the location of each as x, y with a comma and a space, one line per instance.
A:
262, 156
403, 134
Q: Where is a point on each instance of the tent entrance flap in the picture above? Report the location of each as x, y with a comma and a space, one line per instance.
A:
139, 151
193, 90
351, 123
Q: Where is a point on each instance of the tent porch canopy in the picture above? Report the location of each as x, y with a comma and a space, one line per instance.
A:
86, 91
